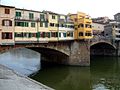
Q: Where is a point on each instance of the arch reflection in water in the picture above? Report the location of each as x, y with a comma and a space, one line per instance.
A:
105, 73
21, 60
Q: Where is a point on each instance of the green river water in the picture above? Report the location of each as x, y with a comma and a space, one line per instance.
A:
103, 74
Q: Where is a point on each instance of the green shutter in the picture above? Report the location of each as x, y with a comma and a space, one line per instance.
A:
31, 15
38, 34
48, 34
46, 24
18, 14
15, 34
59, 34
30, 35
64, 34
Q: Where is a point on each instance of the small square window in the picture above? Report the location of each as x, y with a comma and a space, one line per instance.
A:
53, 16
7, 11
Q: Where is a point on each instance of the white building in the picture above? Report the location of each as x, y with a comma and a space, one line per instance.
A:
66, 28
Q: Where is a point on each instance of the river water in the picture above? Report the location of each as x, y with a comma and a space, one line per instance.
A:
103, 74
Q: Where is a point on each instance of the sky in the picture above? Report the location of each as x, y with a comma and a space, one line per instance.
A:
95, 8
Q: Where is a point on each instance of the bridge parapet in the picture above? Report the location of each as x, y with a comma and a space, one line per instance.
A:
98, 38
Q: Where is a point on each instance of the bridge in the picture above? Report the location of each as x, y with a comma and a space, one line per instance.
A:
102, 46
74, 52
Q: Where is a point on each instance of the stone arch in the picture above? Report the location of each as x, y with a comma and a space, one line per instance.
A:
51, 55
102, 48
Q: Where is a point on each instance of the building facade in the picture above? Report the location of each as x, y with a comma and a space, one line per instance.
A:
7, 14
112, 31
29, 26
117, 17
102, 20
66, 28
83, 25
98, 28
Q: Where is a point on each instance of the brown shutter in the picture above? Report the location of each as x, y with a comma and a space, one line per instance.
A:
10, 35
3, 22
3, 35
10, 23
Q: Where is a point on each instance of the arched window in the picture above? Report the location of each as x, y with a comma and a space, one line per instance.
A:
6, 22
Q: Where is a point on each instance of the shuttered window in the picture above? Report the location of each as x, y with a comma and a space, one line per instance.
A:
6, 35
7, 11
6, 22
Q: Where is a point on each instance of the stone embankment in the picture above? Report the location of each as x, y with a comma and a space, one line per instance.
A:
9, 80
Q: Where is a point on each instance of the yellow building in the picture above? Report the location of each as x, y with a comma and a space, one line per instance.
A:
83, 25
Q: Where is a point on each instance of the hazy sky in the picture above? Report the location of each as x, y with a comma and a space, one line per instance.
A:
95, 8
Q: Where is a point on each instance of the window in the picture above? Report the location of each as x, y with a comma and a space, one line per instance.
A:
46, 24
31, 15
23, 24
6, 23
48, 34
71, 34
56, 25
32, 24
89, 26
54, 34
26, 24
18, 34
65, 26
81, 25
42, 16
42, 34
53, 16
59, 34
64, 34
6, 35
41, 24
7, 11
80, 33
52, 24
68, 34
38, 34
62, 25
88, 34
18, 14
33, 34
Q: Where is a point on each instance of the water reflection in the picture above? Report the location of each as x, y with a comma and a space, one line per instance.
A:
105, 73
65, 77
22, 60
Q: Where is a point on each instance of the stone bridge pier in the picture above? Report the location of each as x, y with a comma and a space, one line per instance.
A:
67, 52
